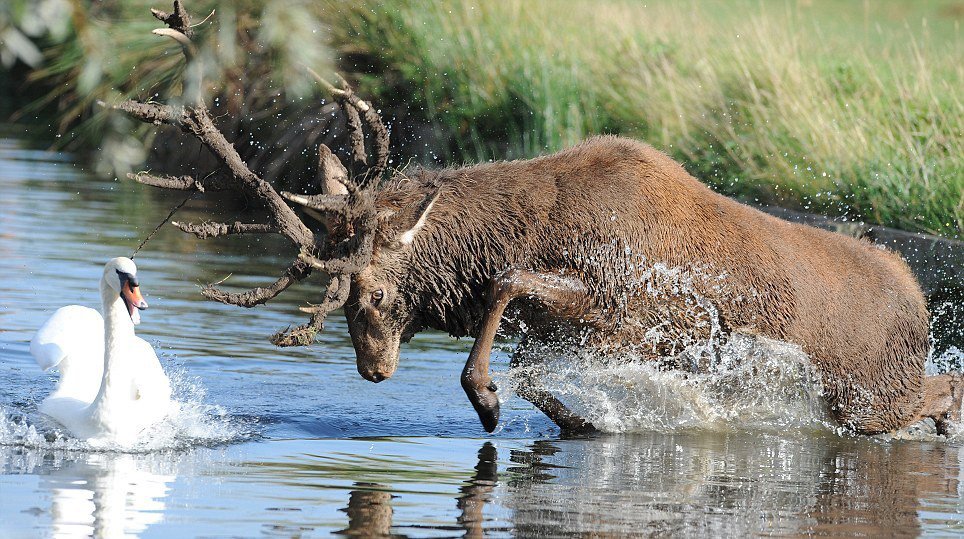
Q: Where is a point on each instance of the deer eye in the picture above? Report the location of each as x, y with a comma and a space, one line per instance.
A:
377, 297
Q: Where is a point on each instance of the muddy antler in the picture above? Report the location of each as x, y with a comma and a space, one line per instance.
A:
345, 204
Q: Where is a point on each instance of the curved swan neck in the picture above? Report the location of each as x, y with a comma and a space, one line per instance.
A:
118, 329
116, 318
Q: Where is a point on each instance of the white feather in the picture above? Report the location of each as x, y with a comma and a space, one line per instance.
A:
112, 405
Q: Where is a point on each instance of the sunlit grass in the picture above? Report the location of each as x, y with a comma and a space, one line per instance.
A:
836, 107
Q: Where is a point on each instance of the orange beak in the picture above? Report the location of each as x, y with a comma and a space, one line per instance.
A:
132, 296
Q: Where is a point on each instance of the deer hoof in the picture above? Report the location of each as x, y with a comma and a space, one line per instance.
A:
489, 418
486, 404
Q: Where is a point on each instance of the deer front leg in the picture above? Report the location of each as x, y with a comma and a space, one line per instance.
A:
565, 297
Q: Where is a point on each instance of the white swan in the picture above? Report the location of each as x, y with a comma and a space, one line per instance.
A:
111, 385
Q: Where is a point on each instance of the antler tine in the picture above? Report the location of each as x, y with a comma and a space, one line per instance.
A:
298, 270
212, 182
335, 297
211, 229
380, 144
355, 133
353, 105
324, 203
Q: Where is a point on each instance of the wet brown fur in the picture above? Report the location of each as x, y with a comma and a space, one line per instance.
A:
608, 209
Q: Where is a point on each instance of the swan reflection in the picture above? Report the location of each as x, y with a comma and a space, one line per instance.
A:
102, 495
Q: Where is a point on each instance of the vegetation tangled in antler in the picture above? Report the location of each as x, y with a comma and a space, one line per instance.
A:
345, 203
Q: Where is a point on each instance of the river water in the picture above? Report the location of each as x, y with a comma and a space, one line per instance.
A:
292, 442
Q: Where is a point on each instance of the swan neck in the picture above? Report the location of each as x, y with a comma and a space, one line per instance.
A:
118, 330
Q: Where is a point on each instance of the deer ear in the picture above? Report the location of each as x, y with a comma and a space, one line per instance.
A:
406, 238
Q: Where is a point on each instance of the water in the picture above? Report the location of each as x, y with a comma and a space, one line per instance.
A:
292, 442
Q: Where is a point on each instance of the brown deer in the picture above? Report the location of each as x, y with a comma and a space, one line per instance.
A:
579, 244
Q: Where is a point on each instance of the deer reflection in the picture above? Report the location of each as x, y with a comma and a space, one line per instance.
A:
883, 491
708, 484
477, 492
730, 485
369, 511
101, 495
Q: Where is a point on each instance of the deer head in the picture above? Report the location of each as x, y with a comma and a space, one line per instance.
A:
370, 230
380, 313
345, 205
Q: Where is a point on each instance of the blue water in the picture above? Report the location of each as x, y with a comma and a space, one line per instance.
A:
293, 442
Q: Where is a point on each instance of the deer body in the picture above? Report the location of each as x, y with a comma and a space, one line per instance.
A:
599, 217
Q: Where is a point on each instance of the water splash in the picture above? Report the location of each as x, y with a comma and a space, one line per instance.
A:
950, 359
190, 422
718, 381
758, 384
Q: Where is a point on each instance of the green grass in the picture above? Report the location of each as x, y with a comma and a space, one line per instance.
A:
827, 106
837, 107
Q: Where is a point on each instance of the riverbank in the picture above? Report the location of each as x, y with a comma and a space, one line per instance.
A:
841, 109
846, 110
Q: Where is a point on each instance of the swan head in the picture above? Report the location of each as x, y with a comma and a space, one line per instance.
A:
120, 277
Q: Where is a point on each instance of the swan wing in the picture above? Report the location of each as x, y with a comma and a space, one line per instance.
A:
151, 386
72, 331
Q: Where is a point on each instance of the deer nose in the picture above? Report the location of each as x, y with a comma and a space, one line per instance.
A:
374, 374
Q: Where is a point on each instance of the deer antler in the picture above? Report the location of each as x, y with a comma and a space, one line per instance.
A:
342, 197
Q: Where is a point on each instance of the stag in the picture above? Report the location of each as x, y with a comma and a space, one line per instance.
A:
579, 244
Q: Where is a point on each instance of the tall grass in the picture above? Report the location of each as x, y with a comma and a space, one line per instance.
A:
834, 107
848, 108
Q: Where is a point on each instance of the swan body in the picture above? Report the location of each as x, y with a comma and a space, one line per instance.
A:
111, 384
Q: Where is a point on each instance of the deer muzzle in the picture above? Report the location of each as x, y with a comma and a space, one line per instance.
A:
377, 366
